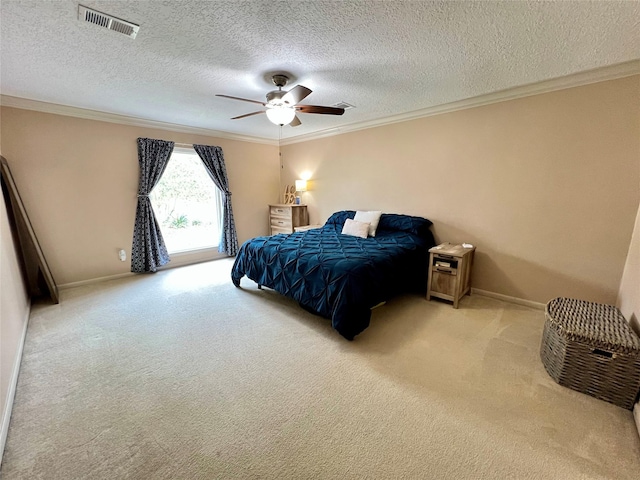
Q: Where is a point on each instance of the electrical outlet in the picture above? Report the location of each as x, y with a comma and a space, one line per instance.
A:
122, 254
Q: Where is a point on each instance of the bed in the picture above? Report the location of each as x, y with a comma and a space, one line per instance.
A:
341, 277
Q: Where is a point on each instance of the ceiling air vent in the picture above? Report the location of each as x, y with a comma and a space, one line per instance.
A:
107, 21
344, 105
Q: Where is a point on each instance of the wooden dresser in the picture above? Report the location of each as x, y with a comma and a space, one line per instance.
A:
284, 218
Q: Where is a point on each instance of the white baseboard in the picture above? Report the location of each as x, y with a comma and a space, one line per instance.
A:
183, 259
177, 260
13, 382
507, 298
91, 281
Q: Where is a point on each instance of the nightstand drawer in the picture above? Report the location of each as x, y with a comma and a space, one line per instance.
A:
280, 211
445, 270
443, 283
281, 222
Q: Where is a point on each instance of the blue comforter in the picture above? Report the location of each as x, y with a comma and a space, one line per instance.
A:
341, 276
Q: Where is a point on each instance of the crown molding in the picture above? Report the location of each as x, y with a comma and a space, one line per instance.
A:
66, 110
612, 72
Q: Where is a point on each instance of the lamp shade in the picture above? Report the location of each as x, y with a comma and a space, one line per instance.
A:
301, 185
281, 115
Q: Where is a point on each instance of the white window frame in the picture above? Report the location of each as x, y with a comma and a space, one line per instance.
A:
198, 254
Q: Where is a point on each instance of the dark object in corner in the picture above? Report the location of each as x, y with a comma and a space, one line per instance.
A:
40, 282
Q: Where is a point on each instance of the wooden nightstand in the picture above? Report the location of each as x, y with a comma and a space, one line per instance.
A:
283, 218
449, 272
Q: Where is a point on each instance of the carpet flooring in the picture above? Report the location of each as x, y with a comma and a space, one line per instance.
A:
181, 375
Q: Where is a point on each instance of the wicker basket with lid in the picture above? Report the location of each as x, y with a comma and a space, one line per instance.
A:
590, 347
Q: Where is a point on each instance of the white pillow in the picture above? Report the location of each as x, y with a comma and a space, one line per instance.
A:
357, 229
372, 218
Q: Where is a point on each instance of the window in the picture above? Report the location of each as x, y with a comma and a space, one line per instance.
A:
187, 204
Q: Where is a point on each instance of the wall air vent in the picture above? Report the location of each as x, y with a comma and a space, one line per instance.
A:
107, 21
344, 105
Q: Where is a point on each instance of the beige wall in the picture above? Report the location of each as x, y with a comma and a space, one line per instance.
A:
78, 180
545, 186
14, 313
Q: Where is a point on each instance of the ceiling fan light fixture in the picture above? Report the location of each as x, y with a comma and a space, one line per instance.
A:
281, 115
282, 106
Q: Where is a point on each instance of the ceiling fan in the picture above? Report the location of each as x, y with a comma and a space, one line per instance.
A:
282, 106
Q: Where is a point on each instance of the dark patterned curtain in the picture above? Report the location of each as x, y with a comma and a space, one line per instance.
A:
149, 251
214, 163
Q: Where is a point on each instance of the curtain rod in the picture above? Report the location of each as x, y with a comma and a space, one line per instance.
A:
183, 145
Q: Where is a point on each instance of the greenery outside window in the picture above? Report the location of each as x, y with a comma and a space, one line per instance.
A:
187, 204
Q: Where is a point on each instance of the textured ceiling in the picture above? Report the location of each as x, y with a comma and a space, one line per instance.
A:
384, 57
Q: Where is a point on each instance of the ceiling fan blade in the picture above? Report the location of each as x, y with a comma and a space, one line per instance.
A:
320, 109
295, 122
296, 95
247, 115
242, 99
